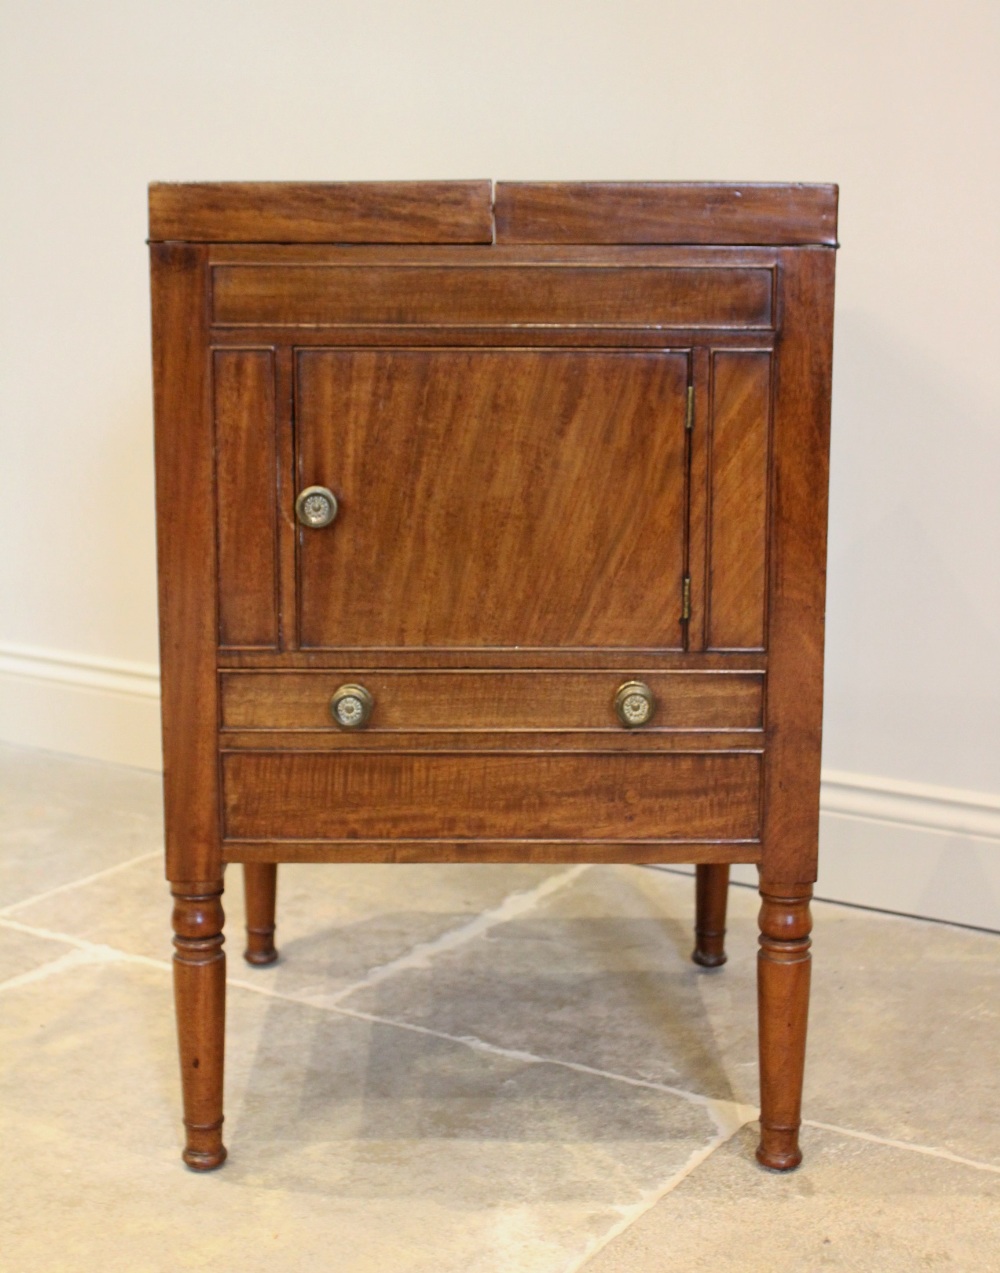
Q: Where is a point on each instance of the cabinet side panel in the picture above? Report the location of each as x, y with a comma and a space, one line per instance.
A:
738, 519
186, 557
243, 392
797, 569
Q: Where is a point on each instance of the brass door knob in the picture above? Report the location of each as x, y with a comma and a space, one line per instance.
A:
635, 704
351, 707
316, 507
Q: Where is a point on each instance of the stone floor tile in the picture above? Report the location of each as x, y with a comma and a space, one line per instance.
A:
853, 1205
600, 973
62, 818
352, 1145
335, 922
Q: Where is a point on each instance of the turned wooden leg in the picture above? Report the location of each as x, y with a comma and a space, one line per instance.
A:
200, 997
783, 1009
260, 885
711, 894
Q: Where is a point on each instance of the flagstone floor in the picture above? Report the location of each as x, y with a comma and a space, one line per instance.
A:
484, 1069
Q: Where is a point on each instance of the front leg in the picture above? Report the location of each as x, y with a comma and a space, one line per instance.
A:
783, 1007
200, 998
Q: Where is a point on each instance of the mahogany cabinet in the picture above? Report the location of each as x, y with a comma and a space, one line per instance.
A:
492, 527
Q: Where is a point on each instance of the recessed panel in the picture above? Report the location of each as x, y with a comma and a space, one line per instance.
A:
494, 295
493, 498
741, 389
246, 472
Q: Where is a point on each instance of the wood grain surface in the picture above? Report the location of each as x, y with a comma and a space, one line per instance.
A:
494, 295
491, 701
797, 568
186, 560
245, 474
736, 602
490, 498
664, 212
548, 796
303, 212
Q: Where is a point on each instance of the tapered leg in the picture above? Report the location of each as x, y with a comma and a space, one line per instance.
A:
711, 895
260, 886
200, 997
783, 1009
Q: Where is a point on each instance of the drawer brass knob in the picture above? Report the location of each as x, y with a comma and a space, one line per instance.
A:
316, 507
635, 704
351, 707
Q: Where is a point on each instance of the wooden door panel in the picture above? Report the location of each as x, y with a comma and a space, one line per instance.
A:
493, 498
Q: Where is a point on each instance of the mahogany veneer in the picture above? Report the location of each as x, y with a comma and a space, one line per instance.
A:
570, 607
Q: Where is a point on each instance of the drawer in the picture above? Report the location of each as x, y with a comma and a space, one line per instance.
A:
492, 701
503, 796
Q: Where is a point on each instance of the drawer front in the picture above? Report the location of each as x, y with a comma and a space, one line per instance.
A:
408, 702
456, 796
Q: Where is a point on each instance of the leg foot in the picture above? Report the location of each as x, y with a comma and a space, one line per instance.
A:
711, 895
200, 998
783, 1006
260, 886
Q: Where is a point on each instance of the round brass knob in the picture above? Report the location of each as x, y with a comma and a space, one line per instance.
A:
635, 704
351, 707
316, 507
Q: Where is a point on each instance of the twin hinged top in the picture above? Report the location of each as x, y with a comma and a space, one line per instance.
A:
504, 212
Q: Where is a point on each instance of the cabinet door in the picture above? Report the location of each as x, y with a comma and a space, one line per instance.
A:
493, 498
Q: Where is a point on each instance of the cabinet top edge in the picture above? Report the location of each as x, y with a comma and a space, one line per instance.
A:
481, 212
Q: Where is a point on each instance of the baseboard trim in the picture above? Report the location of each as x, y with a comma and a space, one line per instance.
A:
82, 671
913, 804
103, 709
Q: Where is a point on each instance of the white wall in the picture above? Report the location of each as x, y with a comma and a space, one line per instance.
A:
897, 100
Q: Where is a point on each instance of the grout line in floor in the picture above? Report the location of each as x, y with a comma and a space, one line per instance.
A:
75, 957
930, 1150
629, 1215
724, 1113
73, 884
98, 952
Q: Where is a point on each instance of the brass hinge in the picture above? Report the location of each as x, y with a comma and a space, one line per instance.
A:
686, 598
690, 409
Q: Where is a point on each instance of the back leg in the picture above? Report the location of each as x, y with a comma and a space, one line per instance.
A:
711, 895
260, 885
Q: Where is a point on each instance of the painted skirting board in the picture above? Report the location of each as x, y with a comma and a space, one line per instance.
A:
898, 846
105, 709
